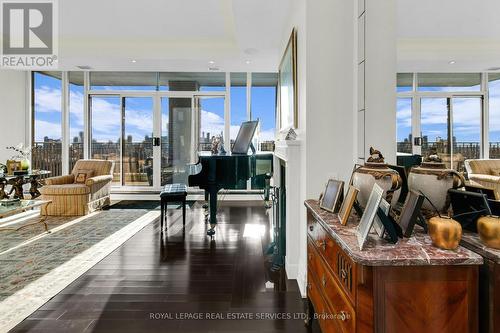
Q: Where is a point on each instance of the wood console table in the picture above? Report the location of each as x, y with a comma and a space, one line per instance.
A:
410, 286
489, 283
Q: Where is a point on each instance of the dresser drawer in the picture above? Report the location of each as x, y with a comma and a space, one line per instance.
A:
343, 311
322, 313
342, 267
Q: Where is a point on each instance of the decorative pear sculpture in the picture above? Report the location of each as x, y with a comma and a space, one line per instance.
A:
488, 228
445, 232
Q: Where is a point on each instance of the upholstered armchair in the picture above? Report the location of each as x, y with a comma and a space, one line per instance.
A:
85, 190
485, 173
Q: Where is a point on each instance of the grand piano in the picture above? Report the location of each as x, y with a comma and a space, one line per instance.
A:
214, 172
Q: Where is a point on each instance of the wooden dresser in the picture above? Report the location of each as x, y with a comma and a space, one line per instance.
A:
411, 286
489, 283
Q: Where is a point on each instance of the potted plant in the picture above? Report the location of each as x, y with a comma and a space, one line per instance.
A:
22, 155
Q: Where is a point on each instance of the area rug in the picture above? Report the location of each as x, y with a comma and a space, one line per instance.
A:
33, 270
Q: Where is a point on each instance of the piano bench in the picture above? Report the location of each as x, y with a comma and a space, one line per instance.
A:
173, 193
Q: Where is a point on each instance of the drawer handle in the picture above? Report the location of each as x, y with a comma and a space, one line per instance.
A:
323, 244
311, 227
343, 273
309, 286
323, 281
310, 256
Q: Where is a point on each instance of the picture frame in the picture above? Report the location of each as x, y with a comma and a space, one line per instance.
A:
333, 191
410, 212
287, 84
347, 204
378, 225
13, 166
371, 209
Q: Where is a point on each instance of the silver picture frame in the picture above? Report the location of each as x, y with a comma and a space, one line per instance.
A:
366, 222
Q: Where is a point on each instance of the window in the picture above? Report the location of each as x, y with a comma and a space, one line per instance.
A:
238, 102
404, 82
263, 107
455, 82
76, 117
494, 110
47, 115
403, 125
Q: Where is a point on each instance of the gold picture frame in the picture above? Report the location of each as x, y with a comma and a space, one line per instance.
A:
13, 166
287, 86
346, 208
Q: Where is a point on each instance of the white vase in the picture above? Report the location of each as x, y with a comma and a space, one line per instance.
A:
434, 181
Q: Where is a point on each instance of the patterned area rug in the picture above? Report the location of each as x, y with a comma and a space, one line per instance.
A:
35, 266
22, 261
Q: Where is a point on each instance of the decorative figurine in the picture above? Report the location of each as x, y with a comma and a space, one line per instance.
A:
215, 145
17, 187
3, 183
35, 184
376, 171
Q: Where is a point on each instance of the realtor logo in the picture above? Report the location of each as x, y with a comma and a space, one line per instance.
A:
29, 34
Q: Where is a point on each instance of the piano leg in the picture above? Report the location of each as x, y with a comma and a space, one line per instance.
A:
213, 210
205, 205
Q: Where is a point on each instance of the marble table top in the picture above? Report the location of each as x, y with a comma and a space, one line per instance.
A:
472, 241
414, 251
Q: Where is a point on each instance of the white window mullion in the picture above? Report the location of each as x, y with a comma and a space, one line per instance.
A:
227, 114
65, 123
86, 115
485, 138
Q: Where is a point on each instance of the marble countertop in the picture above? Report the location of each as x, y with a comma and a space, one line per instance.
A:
414, 251
472, 241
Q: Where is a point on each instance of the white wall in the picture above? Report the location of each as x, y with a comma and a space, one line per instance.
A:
14, 127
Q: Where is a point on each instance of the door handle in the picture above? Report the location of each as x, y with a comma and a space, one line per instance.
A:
417, 141
156, 141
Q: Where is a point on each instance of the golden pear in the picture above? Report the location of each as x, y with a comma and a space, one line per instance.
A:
488, 228
445, 232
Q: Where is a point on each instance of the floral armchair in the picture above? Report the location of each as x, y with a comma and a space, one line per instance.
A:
85, 190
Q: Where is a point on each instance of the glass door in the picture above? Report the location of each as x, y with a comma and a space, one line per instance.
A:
106, 131
122, 131
212, 119
466, 130
177, 139
138, 133
435, 132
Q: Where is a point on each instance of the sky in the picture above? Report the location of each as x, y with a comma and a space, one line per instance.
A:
466, 115
139, 114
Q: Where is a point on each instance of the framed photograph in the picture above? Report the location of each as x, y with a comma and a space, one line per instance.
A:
378, 225
366, 222
333, 191
287, 92
410, 212
345, 209
13, 166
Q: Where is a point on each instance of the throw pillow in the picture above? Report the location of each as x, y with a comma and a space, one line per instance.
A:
495, 171
82, 176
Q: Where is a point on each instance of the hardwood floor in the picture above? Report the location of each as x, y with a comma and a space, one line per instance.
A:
183, 282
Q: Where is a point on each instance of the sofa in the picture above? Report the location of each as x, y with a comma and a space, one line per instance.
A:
85, 190
485, 173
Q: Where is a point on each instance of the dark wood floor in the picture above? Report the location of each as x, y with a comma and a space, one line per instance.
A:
180, 275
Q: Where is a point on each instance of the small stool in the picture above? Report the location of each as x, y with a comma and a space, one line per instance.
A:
173, 193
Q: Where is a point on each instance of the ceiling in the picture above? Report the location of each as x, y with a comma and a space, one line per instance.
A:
432, 33
187, 35
173, 35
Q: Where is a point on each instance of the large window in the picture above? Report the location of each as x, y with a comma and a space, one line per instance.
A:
263, 106
47, 106
76, 117
447, 111
116, 115
494, 118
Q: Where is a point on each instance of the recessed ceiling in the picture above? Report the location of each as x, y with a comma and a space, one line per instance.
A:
433, 33
172, 35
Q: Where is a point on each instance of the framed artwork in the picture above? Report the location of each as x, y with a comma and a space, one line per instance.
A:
287, 84
330, 199
345, 209
366, 222
13, 166
410, 212
378, 225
